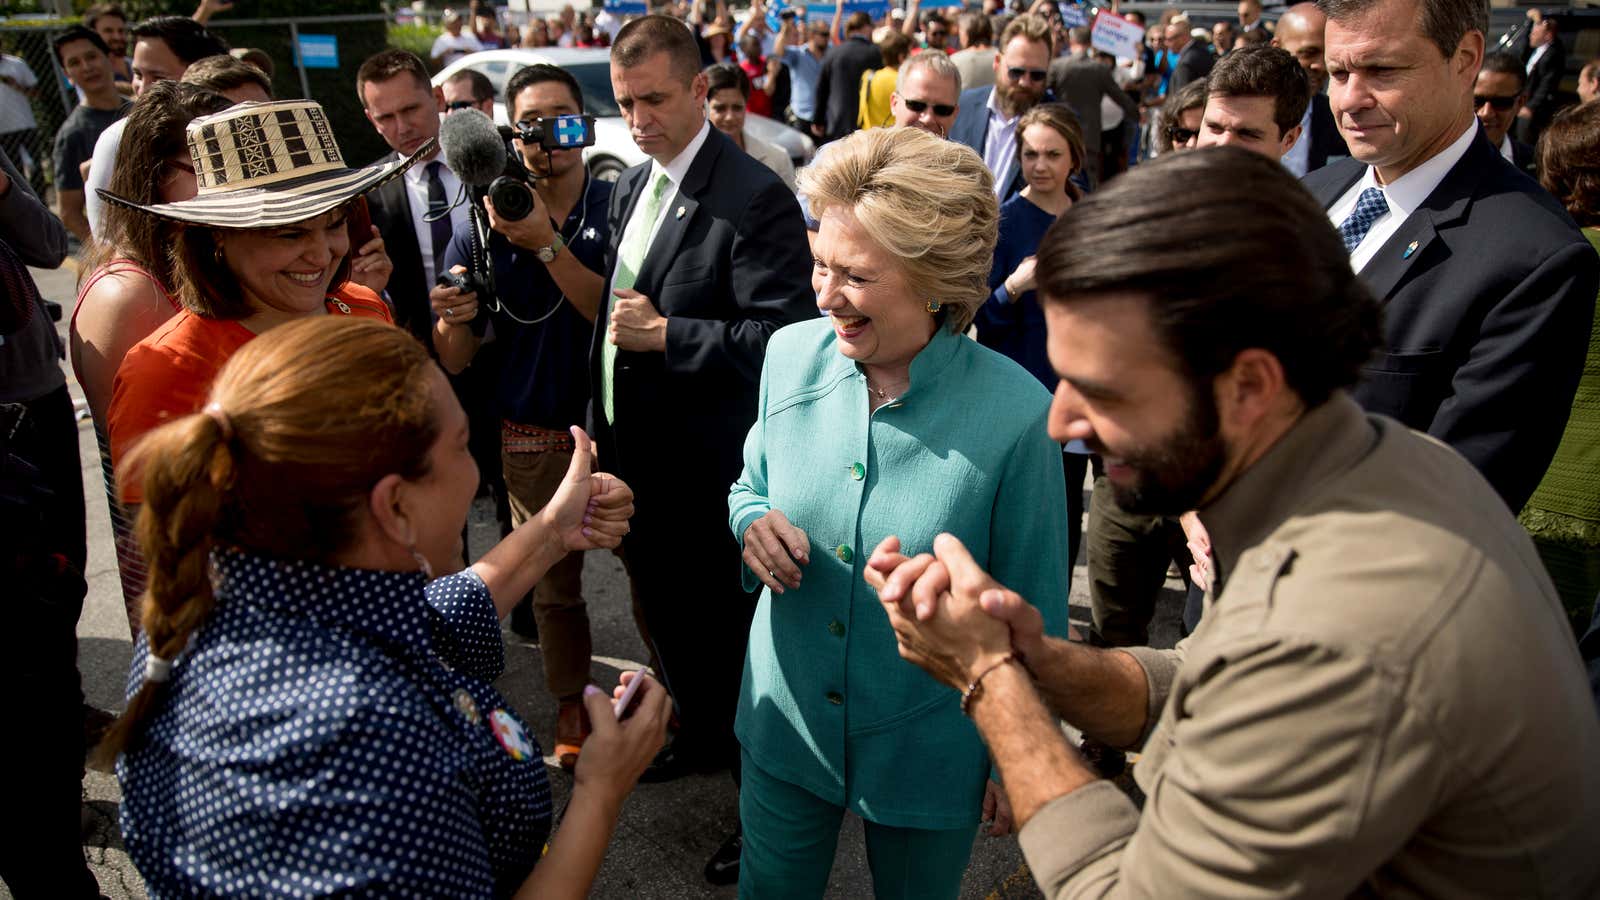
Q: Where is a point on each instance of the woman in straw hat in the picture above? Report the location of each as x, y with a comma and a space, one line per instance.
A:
263, 242
310, 712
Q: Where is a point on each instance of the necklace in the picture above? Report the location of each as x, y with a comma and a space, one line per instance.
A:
883, 394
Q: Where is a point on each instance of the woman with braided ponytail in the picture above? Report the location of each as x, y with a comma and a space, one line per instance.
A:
309, 709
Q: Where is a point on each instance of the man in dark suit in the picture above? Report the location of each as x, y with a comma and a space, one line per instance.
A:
987, 119
416, 215
1546, 65
1194, 59
404, 108
838, 85
1488, 287
1082, 82
708, 257
1300, 33
1497, 96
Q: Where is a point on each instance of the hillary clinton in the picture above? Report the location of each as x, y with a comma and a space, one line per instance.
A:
881, 418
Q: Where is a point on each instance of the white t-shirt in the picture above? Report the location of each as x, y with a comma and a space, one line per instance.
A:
451, 47
101, 167
15, 112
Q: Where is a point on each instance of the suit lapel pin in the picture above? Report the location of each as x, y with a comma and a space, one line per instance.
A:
681, 211
1410, 249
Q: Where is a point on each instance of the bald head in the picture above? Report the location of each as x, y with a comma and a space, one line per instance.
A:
1300, 32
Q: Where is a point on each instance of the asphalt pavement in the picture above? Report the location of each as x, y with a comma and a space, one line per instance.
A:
667, 831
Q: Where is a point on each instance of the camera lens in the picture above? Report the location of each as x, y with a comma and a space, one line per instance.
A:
512, 199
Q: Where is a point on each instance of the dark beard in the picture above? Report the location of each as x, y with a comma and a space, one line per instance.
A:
1173, 476
1014, 101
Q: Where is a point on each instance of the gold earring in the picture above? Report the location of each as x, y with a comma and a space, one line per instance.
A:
217, 254
934, 306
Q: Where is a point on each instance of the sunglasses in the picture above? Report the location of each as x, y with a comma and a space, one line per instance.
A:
458, 105
1182, 136
1015, 73
1498, 103
921, 106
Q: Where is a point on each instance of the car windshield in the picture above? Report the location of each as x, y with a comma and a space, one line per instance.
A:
595, 80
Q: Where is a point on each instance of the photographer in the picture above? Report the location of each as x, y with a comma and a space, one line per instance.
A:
545, 268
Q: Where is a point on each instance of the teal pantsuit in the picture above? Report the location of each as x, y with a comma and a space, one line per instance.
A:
826, 703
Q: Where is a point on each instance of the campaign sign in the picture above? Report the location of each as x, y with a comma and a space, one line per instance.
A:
1117, 36
1073, 15
318, 51
877, 9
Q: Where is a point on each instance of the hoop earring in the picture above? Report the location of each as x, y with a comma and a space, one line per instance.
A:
422, 564
216, 255
934, 306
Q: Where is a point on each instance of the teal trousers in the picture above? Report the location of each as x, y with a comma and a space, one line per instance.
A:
790, 836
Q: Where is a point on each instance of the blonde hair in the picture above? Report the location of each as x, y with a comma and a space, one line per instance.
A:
925, 200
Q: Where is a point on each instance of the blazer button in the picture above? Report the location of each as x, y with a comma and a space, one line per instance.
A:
844, 554
858, 471
836, 698
836, 628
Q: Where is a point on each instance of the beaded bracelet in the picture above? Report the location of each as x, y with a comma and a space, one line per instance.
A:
976, 687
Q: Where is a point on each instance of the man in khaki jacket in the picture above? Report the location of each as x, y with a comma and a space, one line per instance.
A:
1383, 696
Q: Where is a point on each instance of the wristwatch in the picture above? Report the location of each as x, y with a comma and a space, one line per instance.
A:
549, 253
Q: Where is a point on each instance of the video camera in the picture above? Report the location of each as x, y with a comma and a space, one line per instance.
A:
481, 155
512, 191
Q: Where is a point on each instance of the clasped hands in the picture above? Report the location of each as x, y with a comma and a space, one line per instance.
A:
950, 617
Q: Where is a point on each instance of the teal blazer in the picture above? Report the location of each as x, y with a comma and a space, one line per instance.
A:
826, 702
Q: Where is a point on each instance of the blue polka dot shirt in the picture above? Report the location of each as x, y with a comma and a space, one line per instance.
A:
334, 730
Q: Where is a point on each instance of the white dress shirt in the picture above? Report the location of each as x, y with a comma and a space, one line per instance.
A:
1403, 197
1000, 144
1505, 148
1298, 159
1534, 59
416, 179
676, 171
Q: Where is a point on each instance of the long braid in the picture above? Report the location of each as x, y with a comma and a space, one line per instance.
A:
187, 470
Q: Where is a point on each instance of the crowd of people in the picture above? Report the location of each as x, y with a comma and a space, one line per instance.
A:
1311, 305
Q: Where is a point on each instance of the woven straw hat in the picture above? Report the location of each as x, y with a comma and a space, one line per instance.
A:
264, 165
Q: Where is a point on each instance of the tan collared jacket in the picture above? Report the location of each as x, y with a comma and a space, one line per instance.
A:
1384, 700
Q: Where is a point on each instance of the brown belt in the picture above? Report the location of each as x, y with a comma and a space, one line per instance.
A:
516, 438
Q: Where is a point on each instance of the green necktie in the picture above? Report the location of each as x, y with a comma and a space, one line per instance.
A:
630, 257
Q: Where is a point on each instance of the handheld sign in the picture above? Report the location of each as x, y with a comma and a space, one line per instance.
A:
1117, 36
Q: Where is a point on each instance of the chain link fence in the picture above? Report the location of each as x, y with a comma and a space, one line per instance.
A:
35, 96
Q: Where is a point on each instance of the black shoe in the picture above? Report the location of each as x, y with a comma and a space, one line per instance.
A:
723, 868
674, 762
523, 622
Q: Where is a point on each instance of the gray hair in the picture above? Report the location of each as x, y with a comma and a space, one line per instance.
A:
937, 65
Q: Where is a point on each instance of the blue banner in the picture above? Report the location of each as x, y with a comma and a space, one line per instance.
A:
1073, 15
877, 9
625, 7
318, 51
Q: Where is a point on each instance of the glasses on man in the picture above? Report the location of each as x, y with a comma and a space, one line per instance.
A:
1181, 136
458, 105
943, 110
1017, 73
1499, 104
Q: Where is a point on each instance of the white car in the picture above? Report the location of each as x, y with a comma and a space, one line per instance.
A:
614, 149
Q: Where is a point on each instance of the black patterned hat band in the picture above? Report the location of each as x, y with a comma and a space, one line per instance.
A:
263, 165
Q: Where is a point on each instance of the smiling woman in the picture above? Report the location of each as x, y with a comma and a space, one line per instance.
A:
264, 242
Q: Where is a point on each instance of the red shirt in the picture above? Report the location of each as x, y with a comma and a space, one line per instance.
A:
168, 374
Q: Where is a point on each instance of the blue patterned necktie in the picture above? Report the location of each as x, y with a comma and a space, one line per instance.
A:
1370, 207
438, 216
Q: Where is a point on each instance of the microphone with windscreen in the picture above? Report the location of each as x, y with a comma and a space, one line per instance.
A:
473, 147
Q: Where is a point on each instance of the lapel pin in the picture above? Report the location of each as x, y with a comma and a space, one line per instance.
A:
681, 211
1410, 249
